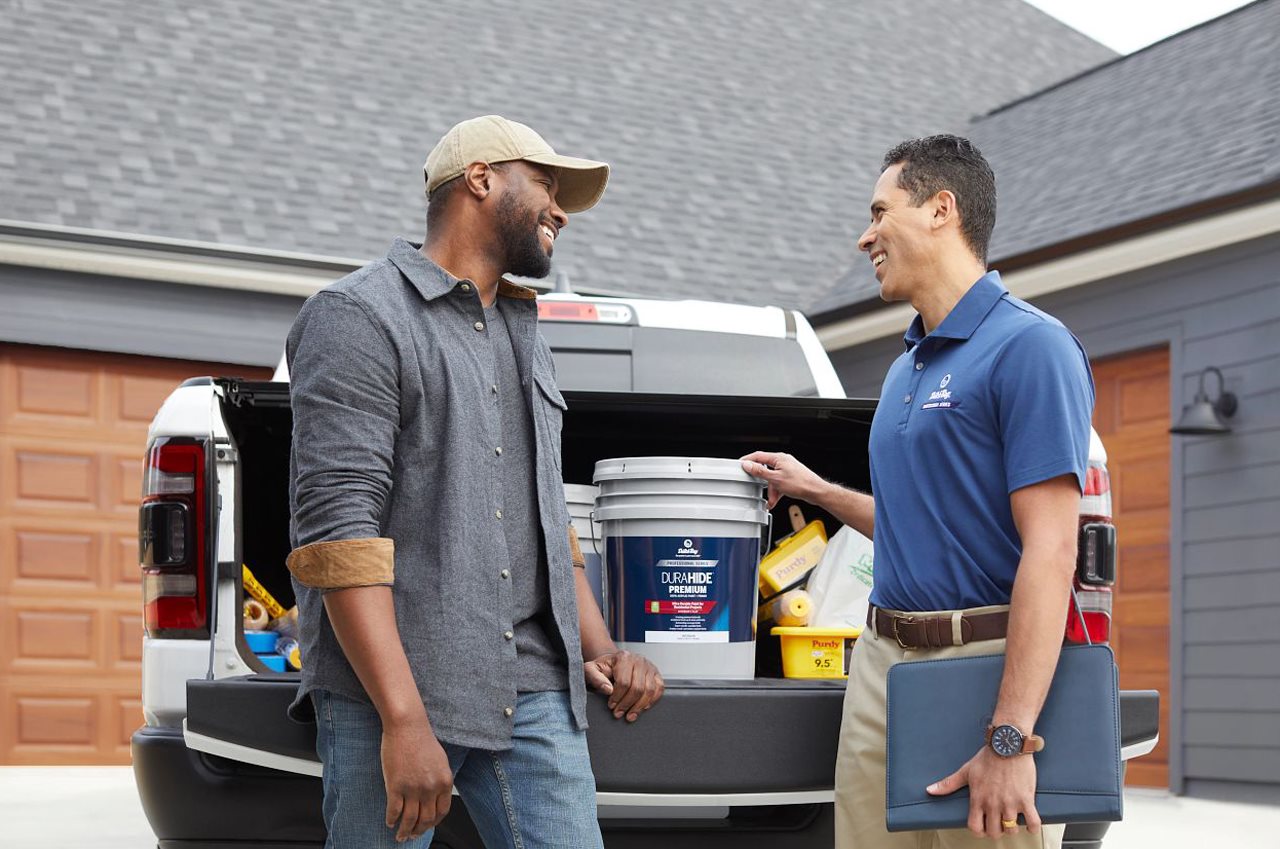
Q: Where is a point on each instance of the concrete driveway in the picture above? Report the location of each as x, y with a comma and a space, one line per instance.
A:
97, 808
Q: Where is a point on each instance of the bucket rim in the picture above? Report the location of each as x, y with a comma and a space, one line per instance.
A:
669, 467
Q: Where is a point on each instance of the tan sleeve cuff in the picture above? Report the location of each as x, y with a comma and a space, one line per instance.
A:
575, 550
344, 563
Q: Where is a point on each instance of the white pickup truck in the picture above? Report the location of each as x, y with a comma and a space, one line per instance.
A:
726, 763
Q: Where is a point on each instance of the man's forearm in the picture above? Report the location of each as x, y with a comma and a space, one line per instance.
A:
853, 508
591, 628
364, 620
1037, 618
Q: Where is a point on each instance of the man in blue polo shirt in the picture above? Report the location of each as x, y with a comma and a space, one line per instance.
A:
978, 454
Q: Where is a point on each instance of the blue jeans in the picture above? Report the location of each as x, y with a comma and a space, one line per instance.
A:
539, 793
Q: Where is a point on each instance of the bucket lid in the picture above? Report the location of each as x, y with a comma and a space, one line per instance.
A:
639, 468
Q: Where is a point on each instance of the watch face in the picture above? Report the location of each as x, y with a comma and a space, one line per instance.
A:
1006, 741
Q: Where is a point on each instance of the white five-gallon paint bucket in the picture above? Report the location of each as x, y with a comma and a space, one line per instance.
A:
581, 500
681, 542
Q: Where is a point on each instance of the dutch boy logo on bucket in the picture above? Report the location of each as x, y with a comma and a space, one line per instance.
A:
687, 549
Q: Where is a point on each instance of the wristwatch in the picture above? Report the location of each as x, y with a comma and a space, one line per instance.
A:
1007, 741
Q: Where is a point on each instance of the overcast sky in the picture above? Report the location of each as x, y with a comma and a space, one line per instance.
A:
1129, 25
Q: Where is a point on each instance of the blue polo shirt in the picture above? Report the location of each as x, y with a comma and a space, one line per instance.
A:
999, 396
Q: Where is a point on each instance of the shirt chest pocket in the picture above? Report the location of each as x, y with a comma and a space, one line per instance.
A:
549, 406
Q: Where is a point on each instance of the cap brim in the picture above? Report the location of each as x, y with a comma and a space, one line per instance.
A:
582, 181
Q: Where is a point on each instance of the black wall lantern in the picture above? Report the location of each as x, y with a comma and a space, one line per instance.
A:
1203, 417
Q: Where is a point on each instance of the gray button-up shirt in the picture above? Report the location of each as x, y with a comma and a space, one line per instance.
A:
394, 428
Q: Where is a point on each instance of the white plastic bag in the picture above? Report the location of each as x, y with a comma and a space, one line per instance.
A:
841, 582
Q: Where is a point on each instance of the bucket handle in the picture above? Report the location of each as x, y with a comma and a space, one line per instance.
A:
768, 536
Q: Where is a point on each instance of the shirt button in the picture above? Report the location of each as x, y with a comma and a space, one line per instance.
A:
906, 400
507, 635
494, 388
498, 513
466, 287
919, 366
508, 712
498, 451
479, 325
504, 574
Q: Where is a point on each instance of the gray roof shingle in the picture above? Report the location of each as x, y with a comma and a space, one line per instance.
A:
1189, 119
743, 135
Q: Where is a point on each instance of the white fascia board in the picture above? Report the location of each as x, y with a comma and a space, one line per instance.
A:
1171, 243
170, 264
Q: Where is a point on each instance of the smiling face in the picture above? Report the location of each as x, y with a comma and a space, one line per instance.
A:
898, 239
527, 218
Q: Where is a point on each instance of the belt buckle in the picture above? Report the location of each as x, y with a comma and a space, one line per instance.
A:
908, 620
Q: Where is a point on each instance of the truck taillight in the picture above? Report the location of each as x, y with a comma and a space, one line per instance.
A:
1095, 501
1095, 604
171, 539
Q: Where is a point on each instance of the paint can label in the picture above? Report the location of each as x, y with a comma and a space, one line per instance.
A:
682, 589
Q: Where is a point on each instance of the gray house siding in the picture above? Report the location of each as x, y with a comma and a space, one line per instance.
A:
142, 317
1215, 309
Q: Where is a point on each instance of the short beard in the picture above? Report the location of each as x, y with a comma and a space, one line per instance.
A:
519, 237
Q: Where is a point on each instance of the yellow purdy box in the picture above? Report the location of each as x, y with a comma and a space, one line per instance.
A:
794, 558
816, 652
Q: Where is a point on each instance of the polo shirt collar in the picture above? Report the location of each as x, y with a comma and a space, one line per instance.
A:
432, 281
966, 315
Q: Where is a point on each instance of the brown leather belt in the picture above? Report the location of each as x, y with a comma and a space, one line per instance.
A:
914, 631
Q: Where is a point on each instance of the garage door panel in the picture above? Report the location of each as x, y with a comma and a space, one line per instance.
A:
47, 558
67, 721
126, 481
127, 718
43, 638
72, 434
1141, 484
67, 557
134, 399
127, 631
1143, 568
50, 477
126, 571
1142, 397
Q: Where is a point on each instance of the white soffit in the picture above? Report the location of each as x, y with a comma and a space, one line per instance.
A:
1143, 251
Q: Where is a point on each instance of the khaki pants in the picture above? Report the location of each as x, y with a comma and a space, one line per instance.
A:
860, 792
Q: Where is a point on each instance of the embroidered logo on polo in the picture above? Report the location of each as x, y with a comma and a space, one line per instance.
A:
941, 398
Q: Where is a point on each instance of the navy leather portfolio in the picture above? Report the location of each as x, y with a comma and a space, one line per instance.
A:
938, 712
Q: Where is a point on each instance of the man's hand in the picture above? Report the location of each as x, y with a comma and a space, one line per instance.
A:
632, 683
999, 789
418, 778
786, 476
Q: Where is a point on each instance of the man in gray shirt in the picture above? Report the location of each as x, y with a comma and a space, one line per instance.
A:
446, 637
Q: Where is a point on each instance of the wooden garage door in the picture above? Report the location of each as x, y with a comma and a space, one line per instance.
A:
1132, 417
73, 428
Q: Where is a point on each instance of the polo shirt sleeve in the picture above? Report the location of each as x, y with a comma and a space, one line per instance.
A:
1044, 403
344, 391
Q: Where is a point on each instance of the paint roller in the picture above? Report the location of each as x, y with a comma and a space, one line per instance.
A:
255, 615
792, 609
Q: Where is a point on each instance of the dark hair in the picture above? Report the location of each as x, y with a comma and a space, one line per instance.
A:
945, 162
439, 199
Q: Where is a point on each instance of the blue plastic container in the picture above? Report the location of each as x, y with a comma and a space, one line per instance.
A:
261, 642
274, 662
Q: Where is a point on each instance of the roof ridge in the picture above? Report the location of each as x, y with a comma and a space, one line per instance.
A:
1122, 58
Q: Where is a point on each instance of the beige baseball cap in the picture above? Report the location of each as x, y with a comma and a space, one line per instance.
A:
492, 138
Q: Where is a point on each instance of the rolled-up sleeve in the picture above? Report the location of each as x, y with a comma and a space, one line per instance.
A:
344, 391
